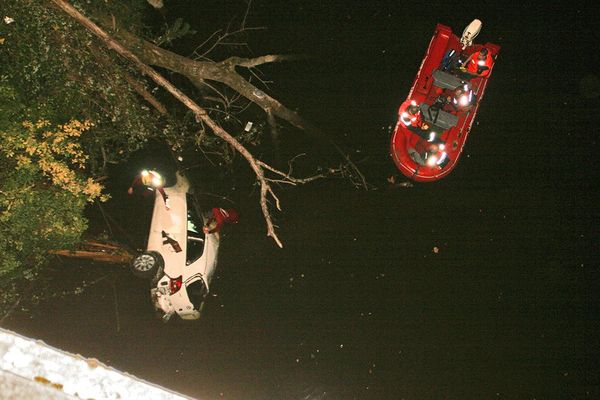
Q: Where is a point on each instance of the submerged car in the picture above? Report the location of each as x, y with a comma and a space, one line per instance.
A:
180, 259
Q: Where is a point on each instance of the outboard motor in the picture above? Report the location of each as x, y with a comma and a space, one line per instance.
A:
470, 32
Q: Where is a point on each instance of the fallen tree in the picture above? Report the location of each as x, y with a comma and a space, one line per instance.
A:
198, 72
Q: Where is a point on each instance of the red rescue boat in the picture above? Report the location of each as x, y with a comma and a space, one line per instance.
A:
436, 117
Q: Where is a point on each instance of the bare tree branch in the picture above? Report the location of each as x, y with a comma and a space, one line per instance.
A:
220, 41
243, 24
288, 178
256, 61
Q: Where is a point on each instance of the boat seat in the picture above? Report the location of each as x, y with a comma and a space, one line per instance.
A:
426, 134
438, 117
445, 80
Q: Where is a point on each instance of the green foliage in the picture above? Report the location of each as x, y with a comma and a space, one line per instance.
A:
43, 190
36, 218
53, 75
32, 222
59, 72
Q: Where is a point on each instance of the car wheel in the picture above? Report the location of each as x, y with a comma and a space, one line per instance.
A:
147, 264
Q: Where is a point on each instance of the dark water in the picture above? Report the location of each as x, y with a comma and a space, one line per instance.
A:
359, 304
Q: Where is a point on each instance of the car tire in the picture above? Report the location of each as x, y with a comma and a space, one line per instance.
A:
147, 264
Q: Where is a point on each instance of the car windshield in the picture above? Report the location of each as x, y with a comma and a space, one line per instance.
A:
195, 235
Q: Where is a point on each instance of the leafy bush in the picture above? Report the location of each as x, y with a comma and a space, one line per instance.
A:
43, 191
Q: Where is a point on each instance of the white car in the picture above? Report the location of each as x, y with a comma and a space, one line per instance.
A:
180, 259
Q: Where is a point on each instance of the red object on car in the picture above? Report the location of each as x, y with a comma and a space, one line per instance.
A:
225, 215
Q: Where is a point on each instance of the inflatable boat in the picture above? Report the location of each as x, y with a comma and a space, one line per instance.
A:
435, 119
